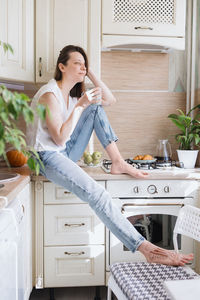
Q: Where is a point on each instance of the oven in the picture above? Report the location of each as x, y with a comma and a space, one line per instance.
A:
152, 207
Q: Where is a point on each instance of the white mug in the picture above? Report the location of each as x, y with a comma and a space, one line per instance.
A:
89, 94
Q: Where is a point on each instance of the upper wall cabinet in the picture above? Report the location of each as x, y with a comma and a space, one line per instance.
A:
17, 29
60, 23
144, 22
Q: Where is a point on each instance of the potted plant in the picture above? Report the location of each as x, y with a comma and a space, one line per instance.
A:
12, 106
189, 135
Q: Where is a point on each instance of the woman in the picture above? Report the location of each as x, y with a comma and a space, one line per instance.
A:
61, 141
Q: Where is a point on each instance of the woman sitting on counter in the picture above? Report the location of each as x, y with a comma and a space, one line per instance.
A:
62, 139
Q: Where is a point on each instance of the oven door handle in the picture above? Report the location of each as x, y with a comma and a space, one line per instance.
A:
168, 208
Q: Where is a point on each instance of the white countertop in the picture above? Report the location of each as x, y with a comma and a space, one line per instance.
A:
157, 174
11, 189
175, 173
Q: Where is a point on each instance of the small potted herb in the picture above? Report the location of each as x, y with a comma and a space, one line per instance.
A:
189, 135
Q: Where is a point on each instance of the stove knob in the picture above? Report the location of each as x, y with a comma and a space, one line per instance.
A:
166, 189
136, 189
152, 189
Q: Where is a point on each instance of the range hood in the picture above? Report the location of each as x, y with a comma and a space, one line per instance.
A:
142, 43
138, 48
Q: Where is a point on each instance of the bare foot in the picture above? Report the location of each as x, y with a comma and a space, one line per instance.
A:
122, 167
158, 255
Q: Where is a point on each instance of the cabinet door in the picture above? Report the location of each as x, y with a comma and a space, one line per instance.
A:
17, 29
58, 23
72, 225
153, 18
25, 198
74, 266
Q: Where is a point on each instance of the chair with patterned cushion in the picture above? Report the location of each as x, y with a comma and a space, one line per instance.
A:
145, 281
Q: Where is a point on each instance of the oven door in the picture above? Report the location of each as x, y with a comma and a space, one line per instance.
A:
155, 221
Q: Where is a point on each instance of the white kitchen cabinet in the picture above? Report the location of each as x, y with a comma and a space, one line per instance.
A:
144, 22
25, 197
67, 225
16, 247
70, 239
74, 266
60, 23
17, 29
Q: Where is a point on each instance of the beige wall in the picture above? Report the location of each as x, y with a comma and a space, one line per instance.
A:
140, 82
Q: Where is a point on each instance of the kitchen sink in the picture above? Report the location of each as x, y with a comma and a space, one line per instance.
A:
5, 177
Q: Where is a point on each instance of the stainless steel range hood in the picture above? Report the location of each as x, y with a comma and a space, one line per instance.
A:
143, 43
138, 48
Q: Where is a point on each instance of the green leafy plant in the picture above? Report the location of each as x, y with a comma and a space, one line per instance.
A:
14, 105
6, 47
189, 126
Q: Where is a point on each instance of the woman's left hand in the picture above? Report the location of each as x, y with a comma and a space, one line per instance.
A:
95, 95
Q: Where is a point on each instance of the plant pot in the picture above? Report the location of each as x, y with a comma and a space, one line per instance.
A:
188, 158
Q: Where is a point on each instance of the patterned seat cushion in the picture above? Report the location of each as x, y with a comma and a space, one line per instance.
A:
144, 281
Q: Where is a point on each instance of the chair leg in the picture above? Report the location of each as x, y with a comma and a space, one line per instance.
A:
109, 294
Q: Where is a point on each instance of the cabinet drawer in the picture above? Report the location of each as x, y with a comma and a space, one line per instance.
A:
72, 225
54, 194
74, 266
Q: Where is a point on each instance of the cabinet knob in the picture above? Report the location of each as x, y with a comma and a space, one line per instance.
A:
40, 66
166, 189
152, 189
136, 189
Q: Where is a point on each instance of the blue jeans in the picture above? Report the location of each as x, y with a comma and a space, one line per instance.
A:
60, 168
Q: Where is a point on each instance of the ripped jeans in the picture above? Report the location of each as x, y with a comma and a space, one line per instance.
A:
61, 169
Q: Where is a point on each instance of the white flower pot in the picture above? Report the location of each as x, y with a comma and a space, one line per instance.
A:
188, 158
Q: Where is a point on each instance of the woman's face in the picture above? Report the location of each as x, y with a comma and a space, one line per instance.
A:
75, 67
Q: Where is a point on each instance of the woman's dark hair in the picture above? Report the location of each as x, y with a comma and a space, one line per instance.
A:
63, 57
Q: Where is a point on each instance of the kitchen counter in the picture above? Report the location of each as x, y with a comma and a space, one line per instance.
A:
11, 189
157, 174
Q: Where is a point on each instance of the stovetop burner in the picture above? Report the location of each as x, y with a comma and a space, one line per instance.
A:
106, 164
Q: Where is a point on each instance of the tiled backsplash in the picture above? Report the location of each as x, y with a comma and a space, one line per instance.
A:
125, 70
140, 82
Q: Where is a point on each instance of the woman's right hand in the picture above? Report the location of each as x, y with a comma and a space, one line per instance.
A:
92, 96
83, 101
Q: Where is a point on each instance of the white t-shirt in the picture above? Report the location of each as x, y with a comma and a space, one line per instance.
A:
38, 135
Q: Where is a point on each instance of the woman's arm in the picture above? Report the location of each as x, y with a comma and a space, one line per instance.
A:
107, 97
58, 130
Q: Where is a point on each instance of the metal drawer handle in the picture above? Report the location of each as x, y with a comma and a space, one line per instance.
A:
143, 27
75, 253
40, 66
148, 204
75, 225
66, 192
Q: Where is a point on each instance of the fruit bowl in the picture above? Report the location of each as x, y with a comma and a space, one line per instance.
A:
91, 160
82, 164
